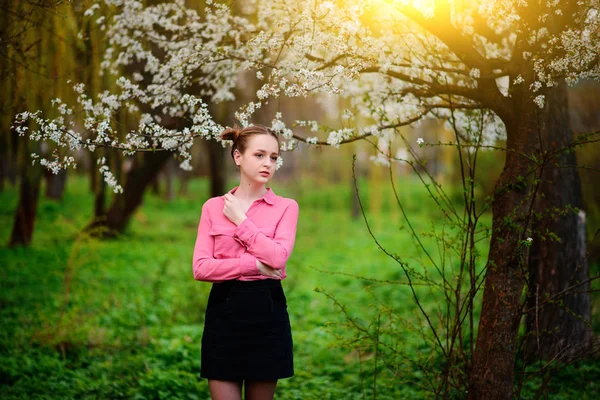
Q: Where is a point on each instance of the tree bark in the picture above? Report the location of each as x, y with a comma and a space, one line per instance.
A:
98, 187
155, 184
216, 152
99, 196
124, 204
9, 157
523, 208
492, 372
29, 191
216, 160
55, 184
558, 329
29, 175
170, 173
5, 158
184, 179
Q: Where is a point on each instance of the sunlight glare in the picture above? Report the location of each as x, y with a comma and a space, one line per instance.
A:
424, 6
392, 9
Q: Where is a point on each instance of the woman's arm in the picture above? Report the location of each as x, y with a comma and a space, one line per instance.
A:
207, 268
272, 252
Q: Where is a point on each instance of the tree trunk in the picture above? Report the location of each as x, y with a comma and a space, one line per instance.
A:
557, 264
55, 184
4, 156
184, 180
99, 197
216, 152
29, 175
155, 184
124, 204
216, 160
29, 191
98, 187
492, 372
170, 172
552, 267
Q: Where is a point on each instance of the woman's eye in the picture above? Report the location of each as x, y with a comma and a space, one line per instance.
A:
259, 155
274, 159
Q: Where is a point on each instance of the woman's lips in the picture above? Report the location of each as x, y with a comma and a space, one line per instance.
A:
264, 173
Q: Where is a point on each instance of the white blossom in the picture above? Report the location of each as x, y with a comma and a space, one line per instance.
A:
519, 79
90, 11
376, 60
380, 159
110, 180
539, 101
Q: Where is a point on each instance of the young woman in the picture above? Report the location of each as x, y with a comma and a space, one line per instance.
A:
244, 241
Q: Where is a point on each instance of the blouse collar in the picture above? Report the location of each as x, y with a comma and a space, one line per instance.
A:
268, 197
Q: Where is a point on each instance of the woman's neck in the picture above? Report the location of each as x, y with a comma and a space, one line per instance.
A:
250, 192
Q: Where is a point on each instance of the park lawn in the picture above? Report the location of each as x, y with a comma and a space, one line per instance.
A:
122, 318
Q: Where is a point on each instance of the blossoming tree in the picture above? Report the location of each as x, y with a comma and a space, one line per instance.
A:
395, 61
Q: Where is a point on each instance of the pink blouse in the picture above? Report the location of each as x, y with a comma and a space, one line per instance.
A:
224, 251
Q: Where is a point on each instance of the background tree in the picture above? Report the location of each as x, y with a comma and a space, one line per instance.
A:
37, 48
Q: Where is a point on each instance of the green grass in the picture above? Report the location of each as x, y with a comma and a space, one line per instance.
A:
122, 318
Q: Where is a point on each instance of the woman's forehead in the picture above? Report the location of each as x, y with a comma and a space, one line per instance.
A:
264, 142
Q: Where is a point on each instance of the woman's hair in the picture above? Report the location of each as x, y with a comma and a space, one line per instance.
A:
239, 137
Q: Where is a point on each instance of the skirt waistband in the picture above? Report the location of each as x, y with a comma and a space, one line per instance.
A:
222, 290
257, 284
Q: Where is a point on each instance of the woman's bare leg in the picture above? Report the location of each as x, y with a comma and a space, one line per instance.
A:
225, 390
260, 390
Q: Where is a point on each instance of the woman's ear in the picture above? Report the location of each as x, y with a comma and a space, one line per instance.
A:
237, 157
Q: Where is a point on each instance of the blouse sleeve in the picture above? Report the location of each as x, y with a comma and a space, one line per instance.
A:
272, 252
206, 267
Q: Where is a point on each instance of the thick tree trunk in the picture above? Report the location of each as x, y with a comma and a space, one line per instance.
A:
492, 372
124, 204
552, 267
557, 329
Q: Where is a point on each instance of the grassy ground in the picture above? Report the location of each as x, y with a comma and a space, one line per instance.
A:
122, 318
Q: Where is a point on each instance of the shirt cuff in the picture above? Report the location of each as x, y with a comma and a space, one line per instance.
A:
248, 264
246, 231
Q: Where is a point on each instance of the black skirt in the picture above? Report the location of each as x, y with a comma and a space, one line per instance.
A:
247, 333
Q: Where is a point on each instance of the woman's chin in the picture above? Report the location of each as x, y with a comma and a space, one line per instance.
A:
260, 180
263, 179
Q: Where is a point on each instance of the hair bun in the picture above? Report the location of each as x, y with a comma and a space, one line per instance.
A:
231, 133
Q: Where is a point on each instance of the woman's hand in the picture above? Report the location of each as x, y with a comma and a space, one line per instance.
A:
234, 209
268, 271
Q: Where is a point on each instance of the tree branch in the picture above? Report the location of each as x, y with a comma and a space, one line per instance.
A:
441, 27
368, 134
465, 50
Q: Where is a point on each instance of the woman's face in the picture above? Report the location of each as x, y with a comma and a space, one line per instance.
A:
257, 163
